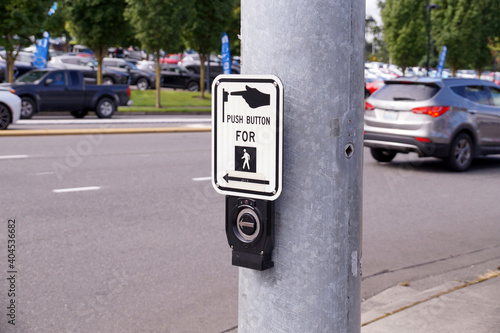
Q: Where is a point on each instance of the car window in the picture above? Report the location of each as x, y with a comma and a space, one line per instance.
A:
70, 61
131, 65
31, 76
406, 91
75, 80
477, 94
57, 77
495, 94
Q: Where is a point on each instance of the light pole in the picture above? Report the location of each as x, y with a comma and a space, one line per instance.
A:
367, 22
430, 7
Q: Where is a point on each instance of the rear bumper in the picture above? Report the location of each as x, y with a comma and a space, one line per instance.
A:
405, 144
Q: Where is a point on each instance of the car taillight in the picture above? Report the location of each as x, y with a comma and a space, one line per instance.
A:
433, 111
128, 91
369, 107
422, 139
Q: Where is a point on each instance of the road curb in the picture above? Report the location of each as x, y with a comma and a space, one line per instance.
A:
404, 301
80, 131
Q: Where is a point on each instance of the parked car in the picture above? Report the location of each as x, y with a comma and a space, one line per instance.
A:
88, 66
192, 63
373, 86
146, 65
174, 76
142, 79
452, 119
22, 64
10, 108
65, 90
171, 59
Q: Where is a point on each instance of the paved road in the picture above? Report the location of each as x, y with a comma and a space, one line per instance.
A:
143, 249
420, 220
124, 233
118, 121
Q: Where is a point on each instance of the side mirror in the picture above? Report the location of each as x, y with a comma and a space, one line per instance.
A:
48, 82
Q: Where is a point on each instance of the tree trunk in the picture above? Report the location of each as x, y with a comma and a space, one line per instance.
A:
10, 66
203, 58
100, 52
158, 78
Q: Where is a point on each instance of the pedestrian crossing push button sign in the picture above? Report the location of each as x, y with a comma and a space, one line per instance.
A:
247, 135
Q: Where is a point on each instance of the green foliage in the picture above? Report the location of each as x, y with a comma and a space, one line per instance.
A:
405, 30
98, 24
19, 20
158, 25
207, 20
466, 27
233, 29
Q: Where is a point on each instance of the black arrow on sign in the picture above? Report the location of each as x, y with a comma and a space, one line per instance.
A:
253, 97
227, 178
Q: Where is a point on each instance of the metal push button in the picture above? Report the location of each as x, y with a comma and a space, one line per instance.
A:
247, 225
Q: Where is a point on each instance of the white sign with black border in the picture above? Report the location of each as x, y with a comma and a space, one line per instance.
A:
247, 136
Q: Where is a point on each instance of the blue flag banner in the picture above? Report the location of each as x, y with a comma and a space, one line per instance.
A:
442, 59
52, 9
42, 48
226, 54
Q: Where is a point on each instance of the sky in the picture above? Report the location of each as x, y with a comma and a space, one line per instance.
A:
373, 11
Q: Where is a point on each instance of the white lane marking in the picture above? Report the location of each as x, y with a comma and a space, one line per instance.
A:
200, 179
76, 189
6, 157
113, 121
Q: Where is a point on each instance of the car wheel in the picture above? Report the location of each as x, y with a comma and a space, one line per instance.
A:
142, 84
105, 108
27, 107
382, 155
193, 86
107, 81
79, 114
461, 153
5, 117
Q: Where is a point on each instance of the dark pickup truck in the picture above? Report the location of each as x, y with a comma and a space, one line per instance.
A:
65, 90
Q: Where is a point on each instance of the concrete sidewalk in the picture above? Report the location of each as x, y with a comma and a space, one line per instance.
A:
471, 306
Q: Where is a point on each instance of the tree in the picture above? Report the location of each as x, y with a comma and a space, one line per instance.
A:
56, 25
207, 21
405, 30
98, 24
465, 27
487, 29
19, 20
158, 26
234, 27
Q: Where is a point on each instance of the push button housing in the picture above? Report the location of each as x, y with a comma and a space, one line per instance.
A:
250, 232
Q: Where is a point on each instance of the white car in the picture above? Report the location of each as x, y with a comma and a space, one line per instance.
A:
10, 108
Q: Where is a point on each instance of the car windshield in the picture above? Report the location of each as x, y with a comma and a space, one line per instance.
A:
131, 65
90, 62
406, 92
32, 76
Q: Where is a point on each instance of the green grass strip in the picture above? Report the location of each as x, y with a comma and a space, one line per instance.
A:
170, 98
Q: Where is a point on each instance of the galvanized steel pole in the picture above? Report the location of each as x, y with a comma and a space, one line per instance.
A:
316, 49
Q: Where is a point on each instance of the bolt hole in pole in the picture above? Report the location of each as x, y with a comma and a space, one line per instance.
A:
349, 150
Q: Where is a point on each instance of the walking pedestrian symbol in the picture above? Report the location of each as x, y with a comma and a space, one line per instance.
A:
245, 159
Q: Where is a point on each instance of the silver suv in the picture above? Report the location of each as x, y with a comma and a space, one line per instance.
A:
452, 119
